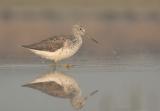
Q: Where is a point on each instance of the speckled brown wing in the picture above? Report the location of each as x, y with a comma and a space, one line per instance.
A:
50, 88
51, 44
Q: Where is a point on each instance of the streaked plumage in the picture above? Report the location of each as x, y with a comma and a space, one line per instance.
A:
59, 85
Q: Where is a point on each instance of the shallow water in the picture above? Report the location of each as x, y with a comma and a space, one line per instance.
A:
124, 84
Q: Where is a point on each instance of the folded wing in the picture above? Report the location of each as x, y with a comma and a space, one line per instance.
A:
50, 88
51, 44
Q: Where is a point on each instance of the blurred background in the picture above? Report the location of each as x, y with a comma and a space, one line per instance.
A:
122, 27
124, 67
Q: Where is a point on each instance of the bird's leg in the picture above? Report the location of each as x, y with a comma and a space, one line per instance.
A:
53, 66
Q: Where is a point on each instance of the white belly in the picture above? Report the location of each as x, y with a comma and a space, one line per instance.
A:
60, 54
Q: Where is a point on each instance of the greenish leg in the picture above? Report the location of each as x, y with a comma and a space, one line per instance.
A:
53, 66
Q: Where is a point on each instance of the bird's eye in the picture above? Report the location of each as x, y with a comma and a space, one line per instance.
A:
80, 29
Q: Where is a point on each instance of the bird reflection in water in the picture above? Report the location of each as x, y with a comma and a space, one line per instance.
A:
60, 85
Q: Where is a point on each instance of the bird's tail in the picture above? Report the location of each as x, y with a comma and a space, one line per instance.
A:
25, 46
26, 85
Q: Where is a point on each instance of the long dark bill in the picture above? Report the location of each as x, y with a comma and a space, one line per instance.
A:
91, 94
93, 40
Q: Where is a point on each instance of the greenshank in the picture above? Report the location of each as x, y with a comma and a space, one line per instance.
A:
60, 47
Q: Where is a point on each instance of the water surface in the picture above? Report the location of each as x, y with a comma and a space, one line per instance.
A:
124, 84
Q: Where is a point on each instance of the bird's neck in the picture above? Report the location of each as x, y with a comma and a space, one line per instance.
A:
75, 98
78, 38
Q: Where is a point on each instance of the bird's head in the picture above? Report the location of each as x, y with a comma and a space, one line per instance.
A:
78, 102
80, 30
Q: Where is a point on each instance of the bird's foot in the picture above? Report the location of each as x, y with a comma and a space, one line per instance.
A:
68, 66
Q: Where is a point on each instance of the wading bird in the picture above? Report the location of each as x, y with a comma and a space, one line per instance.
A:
60, 47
